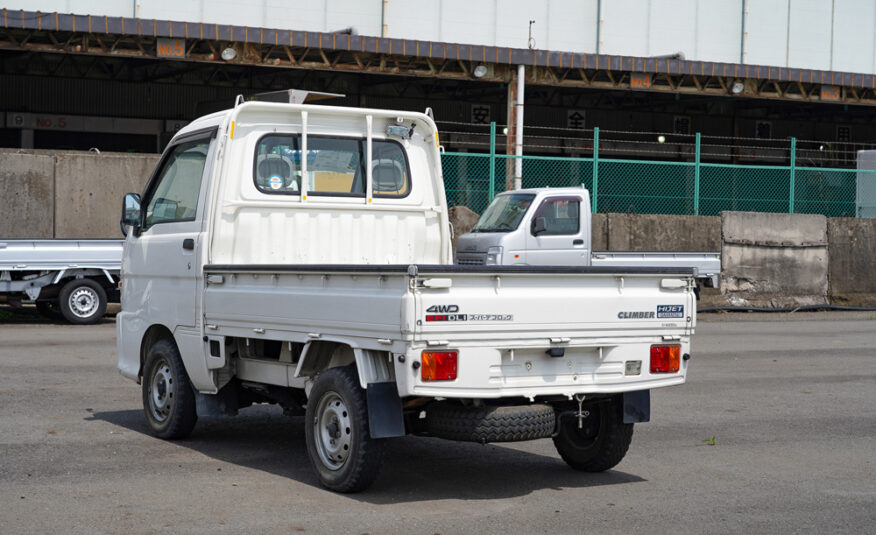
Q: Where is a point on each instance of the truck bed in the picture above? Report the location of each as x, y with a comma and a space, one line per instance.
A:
49, 255
705, 265
369, 298
601, 318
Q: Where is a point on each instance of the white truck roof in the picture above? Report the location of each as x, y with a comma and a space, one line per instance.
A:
536, 191
216, 119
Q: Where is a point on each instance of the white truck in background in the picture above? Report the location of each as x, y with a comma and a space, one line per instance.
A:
301, 255
66, 279
552, 226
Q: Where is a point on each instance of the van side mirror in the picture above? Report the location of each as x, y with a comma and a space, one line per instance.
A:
539, 225
130, 213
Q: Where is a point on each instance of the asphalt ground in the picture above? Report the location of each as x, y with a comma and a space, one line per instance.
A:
774, 432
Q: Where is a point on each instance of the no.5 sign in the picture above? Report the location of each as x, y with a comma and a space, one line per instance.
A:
170, 48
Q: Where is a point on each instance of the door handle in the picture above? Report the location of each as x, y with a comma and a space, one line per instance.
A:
188, 244
578, 242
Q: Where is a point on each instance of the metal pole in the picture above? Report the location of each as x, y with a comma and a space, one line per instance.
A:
742, 34
510, 133
518, 145
598, 23
595, 168
697, 179
492, 159
793, 173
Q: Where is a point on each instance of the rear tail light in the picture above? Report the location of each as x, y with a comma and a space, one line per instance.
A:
438, 366
665, 359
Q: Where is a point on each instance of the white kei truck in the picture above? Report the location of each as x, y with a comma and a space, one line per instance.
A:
301, 255
71, 280
553, 227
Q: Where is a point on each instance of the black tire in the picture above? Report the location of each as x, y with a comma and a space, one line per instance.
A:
49, 310
339, 444
600, 444
82, 301
168, 397
490, 424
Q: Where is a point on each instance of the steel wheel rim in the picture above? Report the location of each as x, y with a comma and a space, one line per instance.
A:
83, 301
332, 431
588, 437
161, 392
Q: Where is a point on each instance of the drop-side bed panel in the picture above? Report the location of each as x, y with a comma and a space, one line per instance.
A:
257, 301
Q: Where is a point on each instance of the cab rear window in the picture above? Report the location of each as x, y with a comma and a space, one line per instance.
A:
335, 166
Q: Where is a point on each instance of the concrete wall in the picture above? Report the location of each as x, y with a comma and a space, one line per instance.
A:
774, 260
599, 232
852, 250
770, 260
89, 190
658, 232
51, 194
27, 191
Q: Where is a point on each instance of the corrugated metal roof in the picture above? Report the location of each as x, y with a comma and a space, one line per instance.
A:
29, 20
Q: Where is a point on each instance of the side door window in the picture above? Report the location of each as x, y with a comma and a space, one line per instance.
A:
174, 196
562, 216
560, 243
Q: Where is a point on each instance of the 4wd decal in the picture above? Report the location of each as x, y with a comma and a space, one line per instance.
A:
443, 308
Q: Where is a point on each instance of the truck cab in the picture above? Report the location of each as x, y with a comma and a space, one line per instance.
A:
546, 226
552, 227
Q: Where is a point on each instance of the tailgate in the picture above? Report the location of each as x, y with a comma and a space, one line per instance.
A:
556, 303
550, 331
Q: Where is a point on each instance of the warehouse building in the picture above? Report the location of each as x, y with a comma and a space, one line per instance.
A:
635, 80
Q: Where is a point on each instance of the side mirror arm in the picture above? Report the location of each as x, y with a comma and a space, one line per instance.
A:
538, 226
131, 214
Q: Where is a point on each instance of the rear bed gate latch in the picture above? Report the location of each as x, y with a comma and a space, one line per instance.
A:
436, 284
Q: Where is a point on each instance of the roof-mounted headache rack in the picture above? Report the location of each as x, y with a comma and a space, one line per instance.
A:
289, 96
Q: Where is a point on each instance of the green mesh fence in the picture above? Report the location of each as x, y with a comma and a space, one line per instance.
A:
655, 187
831, 192
743, 188
646, 187
467, 180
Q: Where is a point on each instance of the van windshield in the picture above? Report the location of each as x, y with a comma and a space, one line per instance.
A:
504, 213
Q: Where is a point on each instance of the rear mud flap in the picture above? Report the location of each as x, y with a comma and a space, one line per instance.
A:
385, 418
637, 406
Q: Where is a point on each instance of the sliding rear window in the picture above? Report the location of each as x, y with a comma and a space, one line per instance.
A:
335, 166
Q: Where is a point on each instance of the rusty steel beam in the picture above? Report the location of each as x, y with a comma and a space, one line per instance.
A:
82, 35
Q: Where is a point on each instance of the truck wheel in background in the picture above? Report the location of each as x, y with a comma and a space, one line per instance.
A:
49, 310
168, 398
339, 442
82, 301
600, 443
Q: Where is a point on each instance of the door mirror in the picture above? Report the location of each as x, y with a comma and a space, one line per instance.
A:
539, 225
130, 213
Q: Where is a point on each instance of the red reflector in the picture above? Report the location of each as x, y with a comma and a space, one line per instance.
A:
665, 359
438, 366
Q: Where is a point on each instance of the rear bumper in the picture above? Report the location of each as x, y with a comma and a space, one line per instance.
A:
529, 372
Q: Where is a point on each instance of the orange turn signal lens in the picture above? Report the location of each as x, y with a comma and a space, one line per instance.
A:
665, 359
438, 366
